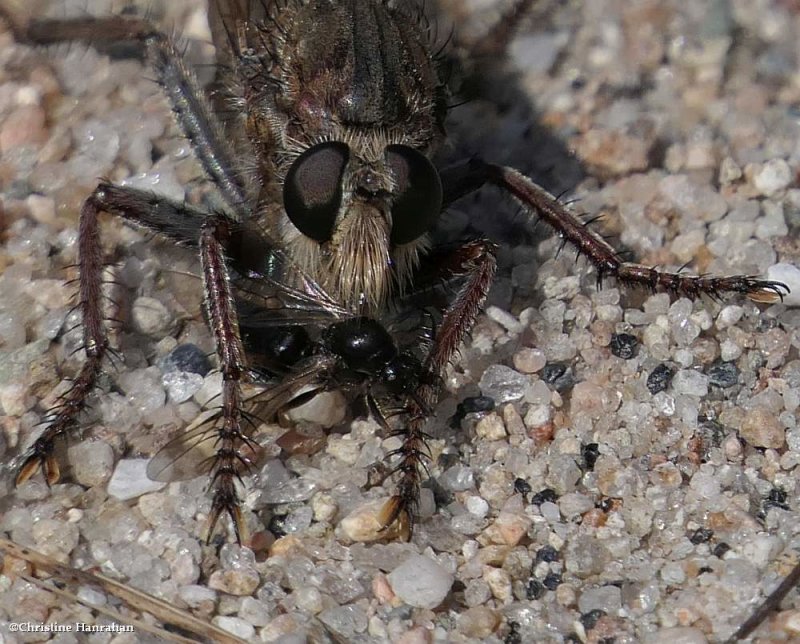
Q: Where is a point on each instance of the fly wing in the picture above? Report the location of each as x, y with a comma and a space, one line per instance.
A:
193, 453
233, 26
274, 290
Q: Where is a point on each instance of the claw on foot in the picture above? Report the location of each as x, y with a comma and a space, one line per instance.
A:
768, 292
233, 510
395, 516
36, 461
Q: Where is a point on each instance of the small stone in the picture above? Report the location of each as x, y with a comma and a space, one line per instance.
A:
508, 529
503, 384
181, 385
566, 595
13, 398
187, 358
458, 478
729, 171
529, 360
491, 428
345, 621
574, 504
477, 506
499, 582
240, 576
256, 612
150, 316
592, 399
327, 409
130, 480
761, 428
363, 524
659, 378
773, 177
586, 556
788, 274
676, 635
730, 315
504, 318
624, 345
236, 626
421, 582
559, 375
24, 126
478, 622
92, 462
55, 538
723, 374
605, 598
689, 381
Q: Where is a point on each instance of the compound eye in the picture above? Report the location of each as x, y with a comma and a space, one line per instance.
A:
418, 196
312, 192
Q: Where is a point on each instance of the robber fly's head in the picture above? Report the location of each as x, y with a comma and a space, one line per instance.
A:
362, 213
360, 108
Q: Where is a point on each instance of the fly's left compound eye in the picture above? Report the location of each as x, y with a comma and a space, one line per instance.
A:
312, 192
418, 198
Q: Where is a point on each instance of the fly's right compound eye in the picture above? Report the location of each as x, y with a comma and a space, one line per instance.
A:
418, 200
312, 192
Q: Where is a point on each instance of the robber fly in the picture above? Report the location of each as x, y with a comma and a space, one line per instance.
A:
331, 114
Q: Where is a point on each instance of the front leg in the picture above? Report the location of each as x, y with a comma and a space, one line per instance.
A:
174, 220
476, 263
230, 461
537, 202
62, 419
187, 226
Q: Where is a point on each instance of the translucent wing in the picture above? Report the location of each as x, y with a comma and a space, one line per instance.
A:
193, 453
273, 290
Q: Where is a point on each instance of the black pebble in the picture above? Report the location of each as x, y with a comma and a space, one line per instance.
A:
547, 554
590, 452
544, 496
723, 374
559, 375
188, 358
552, 581
521, 486
720, 549
590, 619
624, 345
701, 535
476, 404
535, 589
659, 378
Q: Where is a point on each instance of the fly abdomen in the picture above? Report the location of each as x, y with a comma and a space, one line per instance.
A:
362, 343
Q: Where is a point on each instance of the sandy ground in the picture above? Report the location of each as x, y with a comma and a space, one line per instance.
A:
598, 502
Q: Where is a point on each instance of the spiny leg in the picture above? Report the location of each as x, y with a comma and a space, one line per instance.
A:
538, 203
476, 263
188, 226
172, 219
62, 419
232, 446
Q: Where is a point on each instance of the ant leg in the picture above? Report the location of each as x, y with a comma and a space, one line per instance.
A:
475, 262
537, 202
192, 111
